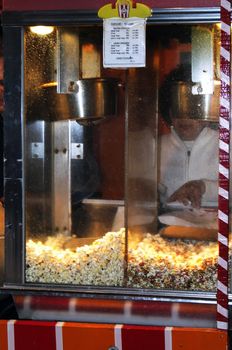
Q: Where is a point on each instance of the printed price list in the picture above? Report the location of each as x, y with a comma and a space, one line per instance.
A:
124, 42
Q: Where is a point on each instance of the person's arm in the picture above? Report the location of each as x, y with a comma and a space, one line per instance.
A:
196, 191
190, 193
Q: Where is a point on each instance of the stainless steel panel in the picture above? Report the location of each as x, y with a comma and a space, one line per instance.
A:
68, 60
88, 101
37, 177
37, 150
77, 151
186, 105
61, 185
202, 60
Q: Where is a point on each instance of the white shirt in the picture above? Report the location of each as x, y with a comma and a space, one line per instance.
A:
179, 165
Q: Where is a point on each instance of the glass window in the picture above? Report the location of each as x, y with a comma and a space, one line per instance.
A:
121, 166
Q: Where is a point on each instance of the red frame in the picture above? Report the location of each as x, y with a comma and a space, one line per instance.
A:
28, 5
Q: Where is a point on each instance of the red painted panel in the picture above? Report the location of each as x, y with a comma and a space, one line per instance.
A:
141, 337
34, 335
27, 5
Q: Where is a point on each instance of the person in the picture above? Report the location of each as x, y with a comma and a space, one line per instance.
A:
188, 155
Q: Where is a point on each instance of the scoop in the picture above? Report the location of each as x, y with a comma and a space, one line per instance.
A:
185, 232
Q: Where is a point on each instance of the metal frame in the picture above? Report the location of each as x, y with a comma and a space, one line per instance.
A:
159, 16
12, 24
13, 167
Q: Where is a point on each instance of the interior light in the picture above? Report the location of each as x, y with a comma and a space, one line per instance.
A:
42, 30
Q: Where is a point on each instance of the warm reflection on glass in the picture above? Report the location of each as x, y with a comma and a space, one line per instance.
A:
127, 195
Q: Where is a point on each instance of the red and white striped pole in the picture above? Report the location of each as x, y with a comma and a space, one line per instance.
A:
224, 167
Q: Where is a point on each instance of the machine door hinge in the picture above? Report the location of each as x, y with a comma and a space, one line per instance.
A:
37, 150
77, 151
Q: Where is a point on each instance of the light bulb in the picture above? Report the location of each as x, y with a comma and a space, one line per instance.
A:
41, 30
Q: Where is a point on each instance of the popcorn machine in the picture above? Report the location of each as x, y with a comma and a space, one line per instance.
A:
92, 171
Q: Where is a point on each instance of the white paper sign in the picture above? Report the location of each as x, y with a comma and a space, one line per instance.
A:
124, 42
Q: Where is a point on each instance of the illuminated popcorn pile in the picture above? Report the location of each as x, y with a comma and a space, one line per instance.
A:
173, 264
100, 263
153, 262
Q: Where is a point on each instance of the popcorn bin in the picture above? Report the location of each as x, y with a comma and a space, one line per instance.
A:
118, 200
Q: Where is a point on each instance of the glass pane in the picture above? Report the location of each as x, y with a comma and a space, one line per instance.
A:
73, 190
91, 217
178, 249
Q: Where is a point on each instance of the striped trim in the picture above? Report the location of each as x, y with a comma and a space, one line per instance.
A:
225, 79
224, 123
223, 193
224, 146
11, 335
222, 310
59, 335
226, 5
224, 161
225, 103
222, 287
224, 171
223, 217
223, 263
168, 338
225, 27
222, 239
118, 336
225, 54
222, 325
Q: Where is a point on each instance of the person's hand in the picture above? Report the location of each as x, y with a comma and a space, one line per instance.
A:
190, 193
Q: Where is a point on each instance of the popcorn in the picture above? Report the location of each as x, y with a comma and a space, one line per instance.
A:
153, 262
173, 264
101, 263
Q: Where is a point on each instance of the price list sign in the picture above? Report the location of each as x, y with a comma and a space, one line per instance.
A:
124, 42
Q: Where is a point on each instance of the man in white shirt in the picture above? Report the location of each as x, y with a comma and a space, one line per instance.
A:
188, 156
188, 170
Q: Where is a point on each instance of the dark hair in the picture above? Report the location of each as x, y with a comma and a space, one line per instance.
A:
181, 73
